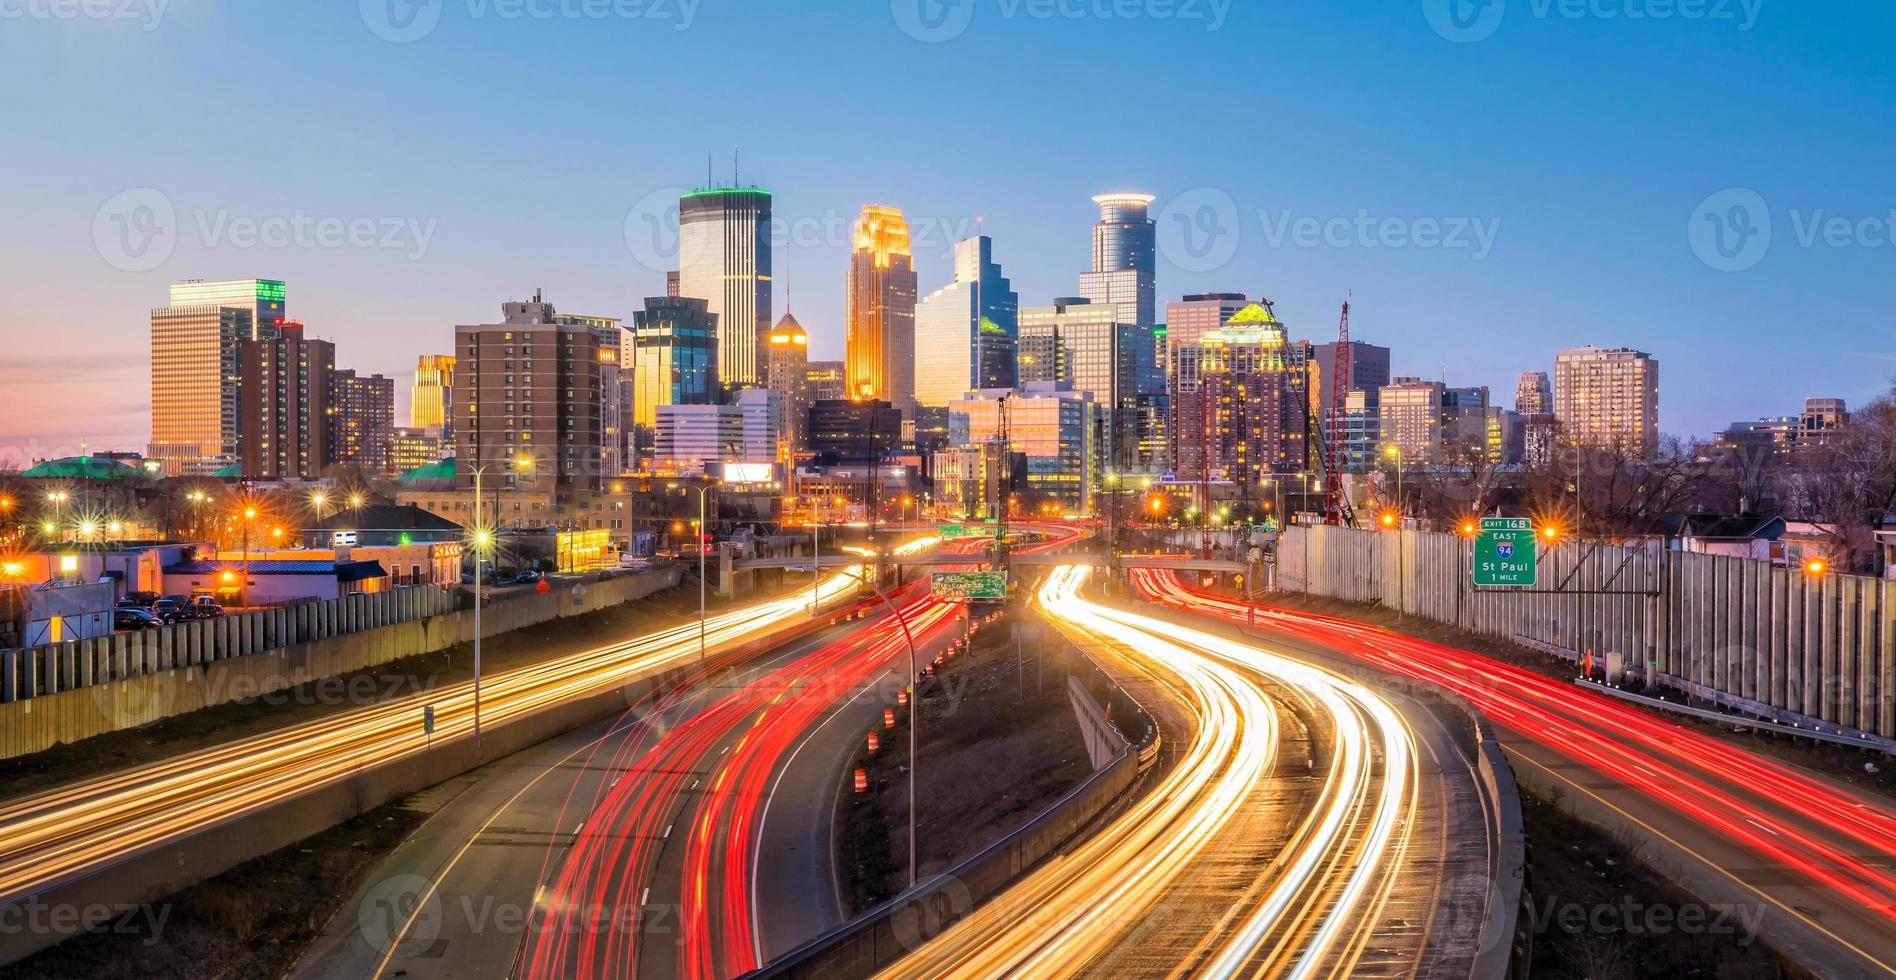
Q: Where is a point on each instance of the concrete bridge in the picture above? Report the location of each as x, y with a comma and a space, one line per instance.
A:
1118, 562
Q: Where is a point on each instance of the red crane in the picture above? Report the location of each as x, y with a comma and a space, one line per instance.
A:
1333, 506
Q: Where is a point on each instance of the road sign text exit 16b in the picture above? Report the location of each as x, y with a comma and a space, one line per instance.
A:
1505, 552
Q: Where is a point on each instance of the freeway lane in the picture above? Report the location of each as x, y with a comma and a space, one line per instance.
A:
82, 828
1187, 880
1812, 858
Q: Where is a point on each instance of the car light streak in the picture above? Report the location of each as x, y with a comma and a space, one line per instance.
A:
1317, 910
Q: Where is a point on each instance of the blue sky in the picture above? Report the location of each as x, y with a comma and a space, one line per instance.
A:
1560, 179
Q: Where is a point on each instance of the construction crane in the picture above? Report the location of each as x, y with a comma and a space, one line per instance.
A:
1336, 505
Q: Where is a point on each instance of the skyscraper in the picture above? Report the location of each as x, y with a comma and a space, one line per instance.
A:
787, 372
1534, 394
674, 356
724, 259
1097, 352
966, 332
264, 298
826, 385
431, 400
1608, 398
879, 338
1241, 402
1534, 402
362, 420
1369, 370
1198, 314
1124, 258
284, 405
196, 367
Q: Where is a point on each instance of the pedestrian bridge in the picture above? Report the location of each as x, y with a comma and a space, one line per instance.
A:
1180, 563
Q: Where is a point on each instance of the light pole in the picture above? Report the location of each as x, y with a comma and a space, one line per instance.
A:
483, 542
250, 514
915, 712
58, 497
703, 532
1402, 538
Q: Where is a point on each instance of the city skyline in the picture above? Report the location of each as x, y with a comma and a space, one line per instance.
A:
1581, 253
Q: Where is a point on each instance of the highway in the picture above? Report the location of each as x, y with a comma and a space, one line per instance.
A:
1294, 834
1811, 856
86, 827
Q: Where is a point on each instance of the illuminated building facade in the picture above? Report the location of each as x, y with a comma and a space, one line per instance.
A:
674, 356
826, 384
531, 411
284, 405
431, 398
879, 332
1088, 346
1608, 398
966, 334
788, 374
1125, 252
362, 420
196, 371
1055, 429
264, 298
1241, 402
724, 259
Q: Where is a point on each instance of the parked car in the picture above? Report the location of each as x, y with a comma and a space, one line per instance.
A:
527, 577
130, 604
142, 599
169, 607
200, 610
134, 619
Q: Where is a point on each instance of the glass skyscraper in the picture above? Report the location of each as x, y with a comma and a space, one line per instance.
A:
966, 333
264, 298
724, 259
674, 356
1125, 258
879, 338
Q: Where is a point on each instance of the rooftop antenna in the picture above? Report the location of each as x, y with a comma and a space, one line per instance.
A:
709, 180
734, 183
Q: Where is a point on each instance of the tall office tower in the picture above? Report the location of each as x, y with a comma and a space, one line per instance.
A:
1362, 428
879, 337
284, 405
1241, 403
1369, 369
362, 420
1608, 398
1534, 394
825, 380
431, 400
530, 410
1124, 259
264, 298
762, 415
854, 430
196, 367
1055, 428
674, 356
1096, 352
1822, 417
412, 447
787, 371
671, 284
724, 259
966, 333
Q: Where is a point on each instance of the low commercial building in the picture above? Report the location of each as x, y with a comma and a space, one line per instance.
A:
274, 581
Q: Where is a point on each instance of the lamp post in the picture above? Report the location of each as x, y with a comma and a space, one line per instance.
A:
915, 712
58, 497
483, 543
703, 532
250, 514
1394, 453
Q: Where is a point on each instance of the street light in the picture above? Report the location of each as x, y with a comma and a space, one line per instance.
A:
703, 532
1815, 566
915, 710
483, 542
250, 514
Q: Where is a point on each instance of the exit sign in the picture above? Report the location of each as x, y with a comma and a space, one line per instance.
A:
1505, 553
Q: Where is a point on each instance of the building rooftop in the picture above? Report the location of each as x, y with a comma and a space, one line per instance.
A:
386, 517
343, 571
81, 468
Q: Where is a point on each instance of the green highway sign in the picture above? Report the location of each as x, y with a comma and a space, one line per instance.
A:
968, 585
1505, 553
950, 532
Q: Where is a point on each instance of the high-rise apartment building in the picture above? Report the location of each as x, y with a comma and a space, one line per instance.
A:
674, 356
787, 372
615, 411
879, 328
1608, 398
1188, 319
1241, 402
1534, 403
724, 259
362, 420
1534, 394
431, 399
966, 333
284, 408
411, 447
196, 372
1125, 256
1429, 422
532, 400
